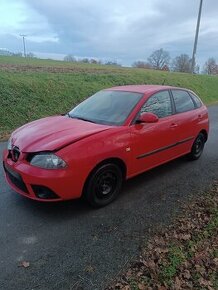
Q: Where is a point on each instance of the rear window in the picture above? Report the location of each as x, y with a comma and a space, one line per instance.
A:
196, 100
183, 101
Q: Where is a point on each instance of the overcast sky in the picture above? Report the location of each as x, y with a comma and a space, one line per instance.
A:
122, 30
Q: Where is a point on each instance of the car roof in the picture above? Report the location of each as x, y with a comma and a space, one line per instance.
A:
141, 88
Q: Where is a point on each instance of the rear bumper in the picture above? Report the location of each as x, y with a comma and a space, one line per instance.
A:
41, 184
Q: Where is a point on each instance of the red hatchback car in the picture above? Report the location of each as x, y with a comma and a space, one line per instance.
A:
115, 134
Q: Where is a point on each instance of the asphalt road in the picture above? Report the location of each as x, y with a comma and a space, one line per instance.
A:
70, 245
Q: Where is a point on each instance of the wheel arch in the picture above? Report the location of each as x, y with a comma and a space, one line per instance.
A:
114, 160
204, 132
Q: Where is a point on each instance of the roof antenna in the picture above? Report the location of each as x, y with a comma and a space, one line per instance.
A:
163, 83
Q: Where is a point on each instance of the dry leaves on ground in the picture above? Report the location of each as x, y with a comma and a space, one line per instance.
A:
184, 256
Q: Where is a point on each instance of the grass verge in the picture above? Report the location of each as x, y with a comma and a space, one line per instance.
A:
184, 256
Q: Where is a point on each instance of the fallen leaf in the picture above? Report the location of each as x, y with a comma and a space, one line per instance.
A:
204, 282
129, 273
141, 287
177, 284
215, 261
185, 237
119, 285
187, 274
151, 264
90, 269
25, 264
126, 288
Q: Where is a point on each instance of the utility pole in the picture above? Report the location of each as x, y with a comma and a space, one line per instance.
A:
24, 45
196, 36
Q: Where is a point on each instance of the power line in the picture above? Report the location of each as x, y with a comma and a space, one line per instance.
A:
196, 36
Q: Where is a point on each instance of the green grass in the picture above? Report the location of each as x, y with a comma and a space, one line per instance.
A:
33, 88
176, 257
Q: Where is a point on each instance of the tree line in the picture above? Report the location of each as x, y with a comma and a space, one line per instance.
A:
71, 58
6, 52
160, 60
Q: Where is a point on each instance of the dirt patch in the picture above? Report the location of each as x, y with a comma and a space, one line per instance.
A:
56, 69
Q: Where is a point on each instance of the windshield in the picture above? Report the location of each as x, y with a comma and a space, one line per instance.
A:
106, 107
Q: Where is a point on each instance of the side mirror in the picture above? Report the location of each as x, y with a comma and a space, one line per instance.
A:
147, 118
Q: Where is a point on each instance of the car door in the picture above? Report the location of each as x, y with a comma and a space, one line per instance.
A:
154, 143
187, 118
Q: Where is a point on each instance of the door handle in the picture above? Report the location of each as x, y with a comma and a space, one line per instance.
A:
173, 125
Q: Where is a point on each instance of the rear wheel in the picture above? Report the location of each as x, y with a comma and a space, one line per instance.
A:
103, 185
197, 147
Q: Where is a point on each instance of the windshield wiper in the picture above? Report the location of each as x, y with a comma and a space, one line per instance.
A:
81, 118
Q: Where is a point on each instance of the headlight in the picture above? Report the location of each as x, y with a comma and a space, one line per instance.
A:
9, 144
48, 161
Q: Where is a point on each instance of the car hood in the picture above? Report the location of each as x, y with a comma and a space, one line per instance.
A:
53, 133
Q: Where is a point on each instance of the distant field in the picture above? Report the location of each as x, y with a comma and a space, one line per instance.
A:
32, 88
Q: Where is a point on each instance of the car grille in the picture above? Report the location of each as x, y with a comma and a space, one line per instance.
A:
16, 179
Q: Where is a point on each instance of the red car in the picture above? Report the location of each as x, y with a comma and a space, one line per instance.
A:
115, 134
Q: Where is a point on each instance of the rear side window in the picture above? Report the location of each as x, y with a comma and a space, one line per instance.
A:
183, 101
196, 100
158, 104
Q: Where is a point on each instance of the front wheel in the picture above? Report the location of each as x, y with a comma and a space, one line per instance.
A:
103, 185
197, 147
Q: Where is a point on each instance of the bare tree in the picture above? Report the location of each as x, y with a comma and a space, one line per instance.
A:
95, 61
113, 63
141, 64
5, 52
69, 58
159, 58
17, 54
210, 66
85, 60
182, 63
30, 55
9, 53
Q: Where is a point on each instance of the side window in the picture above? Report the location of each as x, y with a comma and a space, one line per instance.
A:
159, 104
183, 101
196, 100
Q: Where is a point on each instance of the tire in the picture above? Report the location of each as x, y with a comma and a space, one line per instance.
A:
103, 185
197, 147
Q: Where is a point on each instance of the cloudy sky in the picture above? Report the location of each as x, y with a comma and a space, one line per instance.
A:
121, 30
